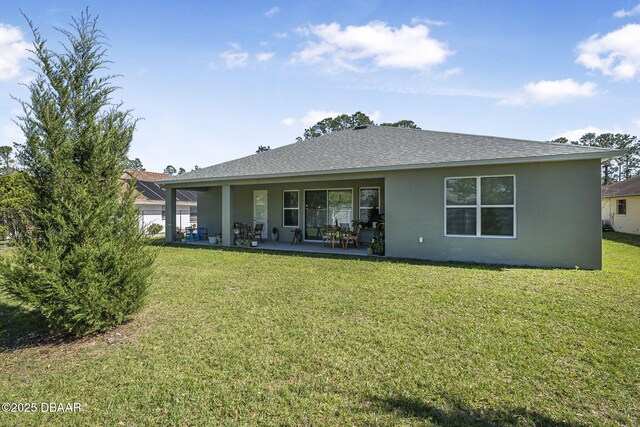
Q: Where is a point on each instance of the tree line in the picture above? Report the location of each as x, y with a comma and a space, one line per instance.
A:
616, 169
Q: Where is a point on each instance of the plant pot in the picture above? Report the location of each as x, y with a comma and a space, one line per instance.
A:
183, 240
369, 251
213, 240
254, 243
275, 237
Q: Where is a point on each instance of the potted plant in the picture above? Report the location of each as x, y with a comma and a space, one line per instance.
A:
274, 234
254, 243
179, 235
378, 247
236, 227
213, 240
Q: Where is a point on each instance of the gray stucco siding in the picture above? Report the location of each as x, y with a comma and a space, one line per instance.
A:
557, 216
210, 209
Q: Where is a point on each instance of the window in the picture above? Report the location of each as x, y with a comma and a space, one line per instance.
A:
193, 214
622, 207
163, 213
369, 205
482, 206
326, 207
291, 206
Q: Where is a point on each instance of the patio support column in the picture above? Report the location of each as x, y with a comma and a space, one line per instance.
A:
227, 216
170, 214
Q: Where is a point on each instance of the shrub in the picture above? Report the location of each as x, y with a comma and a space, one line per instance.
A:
84, 264
154, 229
4, 232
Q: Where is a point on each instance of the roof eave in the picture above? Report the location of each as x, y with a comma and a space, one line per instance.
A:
532, 159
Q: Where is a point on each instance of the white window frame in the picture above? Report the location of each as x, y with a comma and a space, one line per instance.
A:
297, 209
368, 208
479, 207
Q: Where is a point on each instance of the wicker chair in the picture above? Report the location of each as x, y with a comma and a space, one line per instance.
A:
352, 237
328, 234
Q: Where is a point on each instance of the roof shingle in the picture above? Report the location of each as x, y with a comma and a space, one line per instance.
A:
628, 187
380, 147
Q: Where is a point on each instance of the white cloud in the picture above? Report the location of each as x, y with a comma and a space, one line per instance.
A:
314, 116
551, 92
615, 54
234, 59
417, 20
636, 122
282, 35
375, 116
622, 13
288, 121
264, 56
455, 71
405, 47
13, 49
576, 134
271, 12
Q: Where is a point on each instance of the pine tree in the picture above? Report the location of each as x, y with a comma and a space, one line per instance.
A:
84, 264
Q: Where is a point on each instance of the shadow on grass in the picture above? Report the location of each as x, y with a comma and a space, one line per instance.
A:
628, 239
463, 415
21, 328
293, 252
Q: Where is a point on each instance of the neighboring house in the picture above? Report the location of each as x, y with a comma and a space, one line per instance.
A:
150, 200
445, 196
621, 205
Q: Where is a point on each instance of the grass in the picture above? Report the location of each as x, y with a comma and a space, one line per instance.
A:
242, 338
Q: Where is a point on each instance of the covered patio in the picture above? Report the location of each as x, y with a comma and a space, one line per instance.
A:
306, 247
353, 205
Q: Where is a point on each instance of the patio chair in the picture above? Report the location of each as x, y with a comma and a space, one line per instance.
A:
257, 232
351, 237
328, 234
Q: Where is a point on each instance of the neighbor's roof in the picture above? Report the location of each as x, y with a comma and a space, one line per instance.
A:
375, 148
148, 191
628, 187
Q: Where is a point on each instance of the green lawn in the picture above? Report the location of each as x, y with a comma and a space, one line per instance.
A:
238, 337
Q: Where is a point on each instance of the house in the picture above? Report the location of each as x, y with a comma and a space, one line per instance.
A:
621, 205
444, 196
149, 198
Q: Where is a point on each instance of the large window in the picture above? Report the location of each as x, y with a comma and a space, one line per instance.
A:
482, 206
622, 207
369, 205
326, 207
291, 206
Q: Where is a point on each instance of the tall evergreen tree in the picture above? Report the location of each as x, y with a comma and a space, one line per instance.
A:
84, 264
6, 161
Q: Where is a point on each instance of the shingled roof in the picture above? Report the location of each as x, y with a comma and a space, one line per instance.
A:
628, 187
374, 148
148, 191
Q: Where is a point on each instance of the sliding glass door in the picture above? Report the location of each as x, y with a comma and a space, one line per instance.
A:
326, 207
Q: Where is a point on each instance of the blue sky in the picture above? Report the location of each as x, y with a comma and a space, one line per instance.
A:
214, 80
